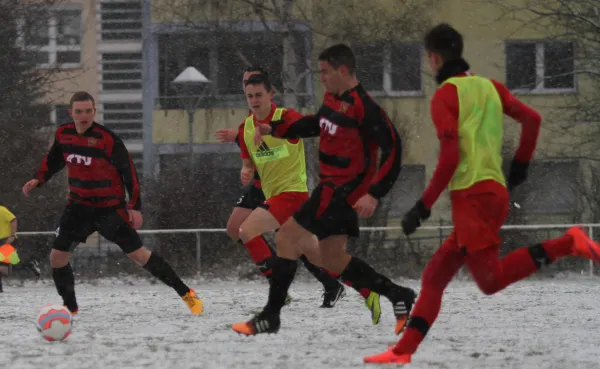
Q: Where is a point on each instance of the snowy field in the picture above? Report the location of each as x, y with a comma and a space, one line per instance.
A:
532, 325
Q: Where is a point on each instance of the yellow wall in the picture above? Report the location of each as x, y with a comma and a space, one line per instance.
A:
484, 35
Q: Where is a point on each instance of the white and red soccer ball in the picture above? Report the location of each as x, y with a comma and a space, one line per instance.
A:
54, 322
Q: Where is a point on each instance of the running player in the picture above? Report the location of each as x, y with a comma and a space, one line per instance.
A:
100, 170
351, 127
252, 198
467, 111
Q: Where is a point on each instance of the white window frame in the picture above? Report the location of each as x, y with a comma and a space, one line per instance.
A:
53, 48
53, 113
539, 70
387, 90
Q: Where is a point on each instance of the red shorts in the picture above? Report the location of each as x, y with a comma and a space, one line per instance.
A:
478, 213
284, 205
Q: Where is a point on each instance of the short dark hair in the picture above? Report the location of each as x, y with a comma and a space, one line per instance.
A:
256, 68
445, 41
338, 55
260, 79
81, 96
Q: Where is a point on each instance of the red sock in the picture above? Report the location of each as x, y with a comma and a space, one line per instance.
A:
364, 292
259, 249
558, 248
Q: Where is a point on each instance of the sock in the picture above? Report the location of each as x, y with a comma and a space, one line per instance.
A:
158, 267
284, 271
360, 273
64, 280
261, 253
329, 283
558, 248
364, 292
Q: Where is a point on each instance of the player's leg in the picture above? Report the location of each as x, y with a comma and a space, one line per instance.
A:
291, 240
250, 200
3, 271
251, 233
76, 224
335, 257
493, 274
115, 227
478, 220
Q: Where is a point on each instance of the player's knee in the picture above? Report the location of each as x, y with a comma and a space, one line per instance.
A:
140, 256
488, 286
233, 229
59, 259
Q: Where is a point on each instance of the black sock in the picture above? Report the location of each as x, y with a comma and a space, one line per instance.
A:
361, 274
64, 280
320, 274
284, 271
158, 267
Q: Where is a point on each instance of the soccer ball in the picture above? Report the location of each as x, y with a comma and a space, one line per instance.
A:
54, 322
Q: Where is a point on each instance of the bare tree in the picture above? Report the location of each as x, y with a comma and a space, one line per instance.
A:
22, 114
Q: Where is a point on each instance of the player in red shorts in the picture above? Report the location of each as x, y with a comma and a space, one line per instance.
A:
467, 111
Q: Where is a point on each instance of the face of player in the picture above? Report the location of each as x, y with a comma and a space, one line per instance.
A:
330, 77
83, 113
245, 79
259, 100
434, 61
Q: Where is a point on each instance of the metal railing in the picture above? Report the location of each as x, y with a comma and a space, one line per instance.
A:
199, 231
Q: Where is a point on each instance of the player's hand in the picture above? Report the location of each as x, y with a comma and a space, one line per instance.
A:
365, 206
135, 218
10, 240
259, 131
517, 175
30, 186
225, 135
413, 218
246, 175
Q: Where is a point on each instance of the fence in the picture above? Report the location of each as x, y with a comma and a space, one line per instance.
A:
386, 250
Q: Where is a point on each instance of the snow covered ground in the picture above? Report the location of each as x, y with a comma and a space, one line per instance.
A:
553, 323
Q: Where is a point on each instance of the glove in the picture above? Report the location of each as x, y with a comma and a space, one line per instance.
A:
412, 219
517, 175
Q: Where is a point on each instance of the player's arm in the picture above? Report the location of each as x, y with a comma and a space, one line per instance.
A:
379, 127
53, 163
444, 113
247, 172
296, 126
122, 161
529, 119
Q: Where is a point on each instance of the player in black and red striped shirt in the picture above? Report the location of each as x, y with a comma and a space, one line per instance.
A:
100, 171
352, 129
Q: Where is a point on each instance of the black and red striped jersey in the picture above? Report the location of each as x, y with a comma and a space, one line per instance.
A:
100, 169
352, 129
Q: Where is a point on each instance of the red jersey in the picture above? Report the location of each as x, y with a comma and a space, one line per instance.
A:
445, 113
99, 167
351, 127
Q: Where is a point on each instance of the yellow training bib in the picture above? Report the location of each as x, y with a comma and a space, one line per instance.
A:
281, 165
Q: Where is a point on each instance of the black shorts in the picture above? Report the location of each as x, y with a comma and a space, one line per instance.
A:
78, 222
328, 213
251, 198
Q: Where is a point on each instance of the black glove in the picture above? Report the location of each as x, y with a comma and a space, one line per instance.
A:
412, 219
517, 175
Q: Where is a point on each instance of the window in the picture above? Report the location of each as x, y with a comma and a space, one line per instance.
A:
54, 36
551, 188
406, 191
60, 114
222, 59
121, 71
393, 70
121, 21
544, 66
